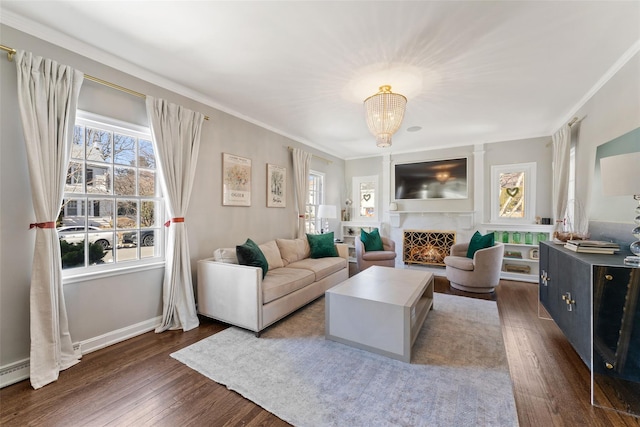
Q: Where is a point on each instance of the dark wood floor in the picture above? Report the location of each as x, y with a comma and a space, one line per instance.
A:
136, 382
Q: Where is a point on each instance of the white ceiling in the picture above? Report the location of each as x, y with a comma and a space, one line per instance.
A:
473, 71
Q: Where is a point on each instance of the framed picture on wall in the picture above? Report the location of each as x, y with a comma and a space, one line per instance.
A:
276, 186
236, 180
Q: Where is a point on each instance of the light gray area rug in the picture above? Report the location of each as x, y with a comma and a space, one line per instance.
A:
458, 374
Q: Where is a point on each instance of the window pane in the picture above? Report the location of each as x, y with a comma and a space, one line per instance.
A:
147, 243
127, 214
75, 178
98, 178
146, 156
147, 214
72, 213
147, 183
124, 148
124, 181
367, 199
512, 195
98, 143
100, 213
77, 145
101, 246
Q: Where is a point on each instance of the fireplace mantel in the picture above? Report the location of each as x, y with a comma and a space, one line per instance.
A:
395, 216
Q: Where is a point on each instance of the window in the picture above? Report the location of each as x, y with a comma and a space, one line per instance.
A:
365, 202
315, 199
112, 203
513, 193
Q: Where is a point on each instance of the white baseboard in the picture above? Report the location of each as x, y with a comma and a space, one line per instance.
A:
18, 371
14, 372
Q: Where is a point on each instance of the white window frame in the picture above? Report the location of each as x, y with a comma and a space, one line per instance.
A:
79, 274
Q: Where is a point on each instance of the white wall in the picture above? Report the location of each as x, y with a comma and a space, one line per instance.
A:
100, 307
613, 111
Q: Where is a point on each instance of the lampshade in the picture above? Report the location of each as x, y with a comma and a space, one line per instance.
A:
327, 211
384, 111
620, 174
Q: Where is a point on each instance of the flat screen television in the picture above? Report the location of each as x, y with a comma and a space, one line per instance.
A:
437, 179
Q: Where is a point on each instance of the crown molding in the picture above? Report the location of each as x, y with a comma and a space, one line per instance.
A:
608, 75
74, 45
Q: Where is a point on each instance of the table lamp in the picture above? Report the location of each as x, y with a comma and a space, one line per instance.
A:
325, 212
621, 177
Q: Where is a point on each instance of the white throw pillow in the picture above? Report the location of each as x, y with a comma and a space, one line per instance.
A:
227, 255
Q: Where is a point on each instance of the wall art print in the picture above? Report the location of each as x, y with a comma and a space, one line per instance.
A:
276, 186
236, 180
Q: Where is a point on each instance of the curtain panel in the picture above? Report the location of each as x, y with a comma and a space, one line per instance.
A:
561, 152
176, 138
47, 100
301, 167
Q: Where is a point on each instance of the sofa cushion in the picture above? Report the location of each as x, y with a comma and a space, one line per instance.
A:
459, 262
250, 254
227, 255
371, 241
292, 250
283, 281
478, 241
321, 267
272, 254
322, 245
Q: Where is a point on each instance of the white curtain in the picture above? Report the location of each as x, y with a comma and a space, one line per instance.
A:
176, 136
301, 165
47, 99
561, 152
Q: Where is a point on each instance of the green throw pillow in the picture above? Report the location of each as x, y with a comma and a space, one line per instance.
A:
322, 245
371, 241
478, 241
250, 254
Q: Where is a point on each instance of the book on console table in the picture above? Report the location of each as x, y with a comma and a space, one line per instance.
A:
592, 246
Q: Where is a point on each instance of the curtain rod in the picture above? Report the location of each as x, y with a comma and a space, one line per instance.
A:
11, 52
313, 155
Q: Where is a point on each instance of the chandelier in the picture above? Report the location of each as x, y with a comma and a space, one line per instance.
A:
384, 111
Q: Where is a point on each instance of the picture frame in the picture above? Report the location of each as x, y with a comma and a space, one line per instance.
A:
276, 186
534, 254
236, 180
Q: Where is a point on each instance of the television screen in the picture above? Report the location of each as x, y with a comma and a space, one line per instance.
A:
439, 179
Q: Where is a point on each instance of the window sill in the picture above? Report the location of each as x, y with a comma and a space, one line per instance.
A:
70, 277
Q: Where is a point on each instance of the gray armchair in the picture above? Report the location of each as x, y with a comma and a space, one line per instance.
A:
385, 258
480, 274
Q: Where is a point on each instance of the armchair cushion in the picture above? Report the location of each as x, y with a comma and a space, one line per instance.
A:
322, 245
371, 241
478, 241
250, 254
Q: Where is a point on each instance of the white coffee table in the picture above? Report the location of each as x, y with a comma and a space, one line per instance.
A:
380, 310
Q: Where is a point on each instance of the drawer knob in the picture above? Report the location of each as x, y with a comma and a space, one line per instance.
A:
608, 277
608, 365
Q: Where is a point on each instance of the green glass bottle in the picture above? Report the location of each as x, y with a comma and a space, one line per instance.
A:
528, 238
505, 237
516, 237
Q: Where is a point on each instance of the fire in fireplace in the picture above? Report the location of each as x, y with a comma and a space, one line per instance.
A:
426, 246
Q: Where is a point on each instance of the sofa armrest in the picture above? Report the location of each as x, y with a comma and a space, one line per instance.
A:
343, 250
231, 293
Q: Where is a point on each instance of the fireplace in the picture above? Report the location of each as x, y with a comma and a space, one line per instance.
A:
427, 247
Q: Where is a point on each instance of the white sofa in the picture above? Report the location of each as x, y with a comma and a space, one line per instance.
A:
238, 294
